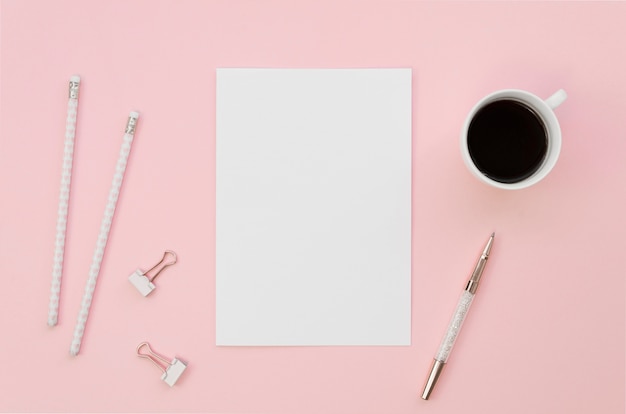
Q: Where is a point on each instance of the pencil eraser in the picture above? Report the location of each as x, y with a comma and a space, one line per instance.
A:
134, 114
173, 372
141, 282
75, 78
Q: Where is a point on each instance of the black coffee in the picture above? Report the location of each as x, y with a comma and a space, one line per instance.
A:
507, 141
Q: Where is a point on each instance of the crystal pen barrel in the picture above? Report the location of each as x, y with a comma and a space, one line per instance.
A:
454, 327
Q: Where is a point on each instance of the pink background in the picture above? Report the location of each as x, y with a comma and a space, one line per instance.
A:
546, 332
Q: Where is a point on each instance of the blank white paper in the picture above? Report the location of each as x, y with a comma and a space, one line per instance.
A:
313, 207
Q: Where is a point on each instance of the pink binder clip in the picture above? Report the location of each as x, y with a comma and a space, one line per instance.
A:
172, 370
143, 282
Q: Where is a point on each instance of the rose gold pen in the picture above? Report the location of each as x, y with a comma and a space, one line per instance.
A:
457, 321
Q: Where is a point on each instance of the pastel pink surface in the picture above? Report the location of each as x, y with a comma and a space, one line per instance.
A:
546, 331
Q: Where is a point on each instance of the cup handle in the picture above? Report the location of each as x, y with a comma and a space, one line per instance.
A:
556, 99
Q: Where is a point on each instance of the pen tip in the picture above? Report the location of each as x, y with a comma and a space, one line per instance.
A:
487, 249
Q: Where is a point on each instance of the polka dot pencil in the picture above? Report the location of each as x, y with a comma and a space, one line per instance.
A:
103, 236
64, 196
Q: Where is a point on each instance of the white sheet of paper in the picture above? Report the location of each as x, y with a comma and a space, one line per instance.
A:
313, 206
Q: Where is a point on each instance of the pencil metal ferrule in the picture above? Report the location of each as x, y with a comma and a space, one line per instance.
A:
131, 125
73, 89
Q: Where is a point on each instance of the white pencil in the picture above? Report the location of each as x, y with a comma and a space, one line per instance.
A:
64, 195
104, 233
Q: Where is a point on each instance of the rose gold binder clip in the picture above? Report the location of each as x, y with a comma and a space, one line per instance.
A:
143, 281
172, 370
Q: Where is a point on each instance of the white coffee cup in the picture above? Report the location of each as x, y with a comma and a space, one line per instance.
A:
544, 109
